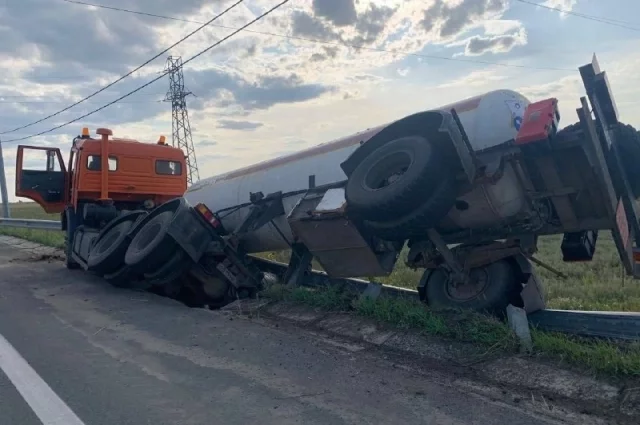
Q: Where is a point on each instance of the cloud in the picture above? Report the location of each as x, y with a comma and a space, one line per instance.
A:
477, 45
67, 34
566, 5
448, 21
265, 93
207, 143
338, 12
239, 125
338, 20
501, 26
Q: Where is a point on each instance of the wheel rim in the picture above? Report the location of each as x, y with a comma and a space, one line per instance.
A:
387, 171
472, 288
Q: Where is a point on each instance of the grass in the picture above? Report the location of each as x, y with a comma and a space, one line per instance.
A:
598, 285
33, 210
489, 334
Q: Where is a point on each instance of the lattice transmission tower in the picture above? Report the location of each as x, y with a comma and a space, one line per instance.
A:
180, 116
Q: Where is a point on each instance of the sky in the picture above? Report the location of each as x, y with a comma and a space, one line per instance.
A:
310, 72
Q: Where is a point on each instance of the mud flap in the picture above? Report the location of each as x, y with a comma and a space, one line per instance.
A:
533, 294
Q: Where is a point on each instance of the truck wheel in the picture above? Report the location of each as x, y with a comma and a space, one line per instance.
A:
629, 141
143, 253
107, 254
424, 217
167, 277
489, 289
393, 179
121, 278
69, 262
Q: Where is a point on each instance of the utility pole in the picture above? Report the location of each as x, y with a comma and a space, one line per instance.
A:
180, 116
3, 187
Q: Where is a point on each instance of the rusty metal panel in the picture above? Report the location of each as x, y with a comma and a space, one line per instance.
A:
621, 236
338, 246
553, 182
335, 242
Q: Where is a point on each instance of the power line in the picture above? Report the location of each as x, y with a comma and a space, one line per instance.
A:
614, 22
29, 96
165, 72
128, 73
40, 102
329, 43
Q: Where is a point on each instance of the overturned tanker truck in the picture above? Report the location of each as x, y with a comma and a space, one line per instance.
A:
467, 187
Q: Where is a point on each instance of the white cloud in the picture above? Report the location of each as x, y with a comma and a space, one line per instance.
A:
566, 5
260, 95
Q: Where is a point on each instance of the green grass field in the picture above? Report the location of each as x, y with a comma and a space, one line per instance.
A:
33, 210
597, 285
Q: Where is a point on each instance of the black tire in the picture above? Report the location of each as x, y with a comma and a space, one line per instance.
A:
150, 247
369, 193
423, 218
69, 262
493, 297
107, 254
121, 278
628, 140
168, 277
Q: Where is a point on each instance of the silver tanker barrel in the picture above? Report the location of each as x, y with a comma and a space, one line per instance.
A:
403, 184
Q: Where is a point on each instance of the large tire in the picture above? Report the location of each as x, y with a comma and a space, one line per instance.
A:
69, 262
107, 255
150, 249
121, 278
494, 287
421, 219
628, 140
168, 277
393, 179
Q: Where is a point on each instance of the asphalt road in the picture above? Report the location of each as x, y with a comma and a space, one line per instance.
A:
120, 357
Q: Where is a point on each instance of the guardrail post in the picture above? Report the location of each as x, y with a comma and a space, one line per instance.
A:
3, 187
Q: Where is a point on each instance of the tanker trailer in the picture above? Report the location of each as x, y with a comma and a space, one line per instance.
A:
388, 204
440, 169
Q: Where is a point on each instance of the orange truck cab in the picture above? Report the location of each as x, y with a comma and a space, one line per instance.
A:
104, 177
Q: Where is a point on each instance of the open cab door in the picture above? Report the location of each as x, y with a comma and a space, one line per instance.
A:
41, 176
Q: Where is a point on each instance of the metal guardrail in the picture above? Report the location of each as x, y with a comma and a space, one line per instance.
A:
619, 325
598, 324
601, 324
28, 223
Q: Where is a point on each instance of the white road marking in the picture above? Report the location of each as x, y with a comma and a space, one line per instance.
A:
47, 406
